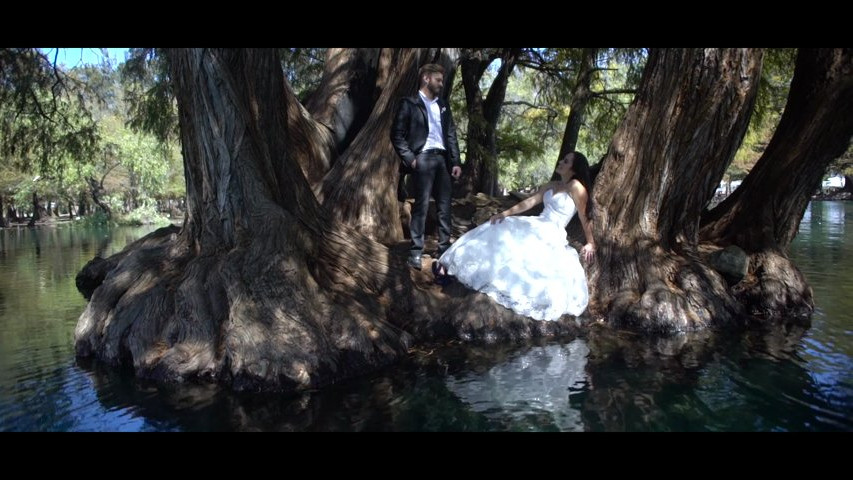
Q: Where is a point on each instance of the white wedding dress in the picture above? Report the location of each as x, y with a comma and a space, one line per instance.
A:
524, 263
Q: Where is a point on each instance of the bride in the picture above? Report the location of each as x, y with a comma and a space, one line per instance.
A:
525, 263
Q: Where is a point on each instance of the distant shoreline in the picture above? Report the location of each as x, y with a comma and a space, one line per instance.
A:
834, 196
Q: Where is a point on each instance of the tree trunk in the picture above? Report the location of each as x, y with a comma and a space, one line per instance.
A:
581, 95
347, 93
340, 140
82, 211
36, 214
334, 113
261, 289
763, 215
95, 190
361, 188
3, 222
480, 172
134, 192
664, 163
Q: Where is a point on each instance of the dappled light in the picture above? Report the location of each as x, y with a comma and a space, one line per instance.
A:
289, 269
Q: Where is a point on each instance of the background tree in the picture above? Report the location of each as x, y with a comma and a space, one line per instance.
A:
763, 215
563, 99
480, 170
776, 72
843, 165
687, 119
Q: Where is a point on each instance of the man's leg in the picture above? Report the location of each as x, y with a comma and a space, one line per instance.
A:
423, 181
443, 190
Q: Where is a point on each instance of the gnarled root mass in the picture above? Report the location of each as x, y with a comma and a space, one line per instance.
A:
252, 317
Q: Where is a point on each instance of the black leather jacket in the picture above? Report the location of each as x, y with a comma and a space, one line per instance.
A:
410, 129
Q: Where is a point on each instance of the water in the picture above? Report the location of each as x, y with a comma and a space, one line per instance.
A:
783, 379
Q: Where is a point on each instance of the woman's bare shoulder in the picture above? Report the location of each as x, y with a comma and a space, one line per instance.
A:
576, 186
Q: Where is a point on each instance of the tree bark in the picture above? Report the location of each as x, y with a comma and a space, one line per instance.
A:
361, 188
763, 215
340, 140
664, 163
346, 95
480, 171
334, 113
261, 289
581, 95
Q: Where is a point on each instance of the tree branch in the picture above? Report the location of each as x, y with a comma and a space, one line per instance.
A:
614, 91
531, 106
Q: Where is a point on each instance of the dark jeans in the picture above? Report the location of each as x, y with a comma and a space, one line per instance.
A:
431, 177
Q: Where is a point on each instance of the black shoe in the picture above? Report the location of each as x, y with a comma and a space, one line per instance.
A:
442, 279
414, 262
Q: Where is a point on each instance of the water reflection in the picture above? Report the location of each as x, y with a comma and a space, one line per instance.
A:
399, 399
781, 378
531, 390
752, 381
610, 381
40, 388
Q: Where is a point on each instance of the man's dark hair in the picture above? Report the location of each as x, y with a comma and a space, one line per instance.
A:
429, 68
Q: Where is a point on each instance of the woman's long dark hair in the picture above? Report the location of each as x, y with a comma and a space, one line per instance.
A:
580, 167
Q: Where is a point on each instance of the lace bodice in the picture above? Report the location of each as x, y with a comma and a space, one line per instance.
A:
559, 207
524, 263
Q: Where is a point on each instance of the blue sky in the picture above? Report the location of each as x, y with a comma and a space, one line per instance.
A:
75, 57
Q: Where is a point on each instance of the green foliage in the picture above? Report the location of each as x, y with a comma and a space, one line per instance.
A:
96, 219
133, 166
843, 164
536, 110
303, 68
23, 194
777, 70
151, 104
528, 136
45, 121
621, 70
143, 164
775, 81
147, 214
11, 180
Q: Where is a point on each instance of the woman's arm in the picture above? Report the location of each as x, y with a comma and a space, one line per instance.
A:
580, 196
522, 206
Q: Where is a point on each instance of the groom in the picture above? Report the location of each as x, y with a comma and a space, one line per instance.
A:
424, 137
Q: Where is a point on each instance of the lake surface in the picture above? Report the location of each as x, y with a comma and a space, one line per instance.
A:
783, 379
